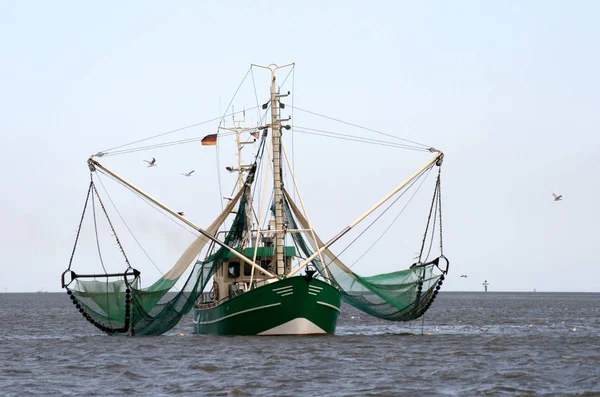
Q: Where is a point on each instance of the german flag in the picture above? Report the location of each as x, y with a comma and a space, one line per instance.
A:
209, 140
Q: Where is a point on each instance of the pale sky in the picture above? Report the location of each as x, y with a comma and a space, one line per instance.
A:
508, 90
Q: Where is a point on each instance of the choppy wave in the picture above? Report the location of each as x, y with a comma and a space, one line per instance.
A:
468, 344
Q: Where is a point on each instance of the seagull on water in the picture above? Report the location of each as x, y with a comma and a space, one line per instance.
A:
188, 173
557, 198
151, 163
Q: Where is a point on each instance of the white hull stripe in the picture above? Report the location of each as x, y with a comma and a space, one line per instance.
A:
287, 287
235, 314
328, 305
315, 287
311, 293
289, 293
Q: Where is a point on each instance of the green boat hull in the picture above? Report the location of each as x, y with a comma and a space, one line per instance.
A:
292, 306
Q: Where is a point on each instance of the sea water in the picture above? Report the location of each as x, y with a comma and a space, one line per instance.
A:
468, 344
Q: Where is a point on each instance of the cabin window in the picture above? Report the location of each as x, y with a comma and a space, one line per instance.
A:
233, 269
247, 269
266, 264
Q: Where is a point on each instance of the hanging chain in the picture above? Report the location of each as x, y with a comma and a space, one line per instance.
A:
111, 227
81, 222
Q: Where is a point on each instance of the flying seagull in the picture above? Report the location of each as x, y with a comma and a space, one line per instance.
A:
557, 198
181, 213
151, 163
464, 275
188, 173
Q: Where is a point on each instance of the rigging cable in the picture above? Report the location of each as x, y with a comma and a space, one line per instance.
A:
288, 75
337, 135
129, 229
258, 160
167, 133
220, 188
217, 151
432, 229
114, 232
433, 211
81, 221
149, 203
96, 232
255, 94
378, 217
293, 130
440, 209
394, 220
156, 145
304, 130
364, 128
100, 254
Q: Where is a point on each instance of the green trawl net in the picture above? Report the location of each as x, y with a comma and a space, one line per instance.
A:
399, 296
122, 306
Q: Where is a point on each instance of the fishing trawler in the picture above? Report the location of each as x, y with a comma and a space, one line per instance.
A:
269, 273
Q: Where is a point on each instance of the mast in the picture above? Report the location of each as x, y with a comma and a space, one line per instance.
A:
277, 177
277, 168
241, 167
